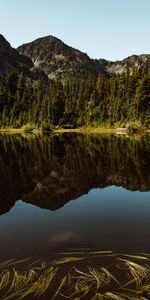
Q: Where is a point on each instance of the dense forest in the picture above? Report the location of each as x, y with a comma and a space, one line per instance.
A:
120, 99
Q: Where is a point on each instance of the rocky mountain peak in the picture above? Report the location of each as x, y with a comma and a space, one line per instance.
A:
57, 59
129, 63
42, 50
49, 56
4, 44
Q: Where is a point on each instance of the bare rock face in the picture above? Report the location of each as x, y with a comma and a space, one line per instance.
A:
130, 63
58, 60
49, 57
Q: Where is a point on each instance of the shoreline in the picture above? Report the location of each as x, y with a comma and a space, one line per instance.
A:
90, 129
63, 130
86, 130
11, 130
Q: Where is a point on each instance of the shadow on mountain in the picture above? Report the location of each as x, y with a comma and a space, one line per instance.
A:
48, 171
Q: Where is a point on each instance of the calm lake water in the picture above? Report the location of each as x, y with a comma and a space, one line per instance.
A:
70, 192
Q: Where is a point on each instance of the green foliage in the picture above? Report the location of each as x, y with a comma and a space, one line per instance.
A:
124, 98
27, 127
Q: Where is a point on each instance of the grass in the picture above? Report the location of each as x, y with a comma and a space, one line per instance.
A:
103, 129
84, 129
11, 130
88, 275
87, 129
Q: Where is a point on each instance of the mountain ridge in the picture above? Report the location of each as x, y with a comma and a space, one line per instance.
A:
77, 91
58, 59
50, 57
57, 53
12, 61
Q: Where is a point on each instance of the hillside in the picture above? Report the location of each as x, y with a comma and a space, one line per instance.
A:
127, 64
80, 91
12, 61
58, 60
50, 56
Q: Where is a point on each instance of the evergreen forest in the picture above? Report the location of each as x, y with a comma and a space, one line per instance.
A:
121, 99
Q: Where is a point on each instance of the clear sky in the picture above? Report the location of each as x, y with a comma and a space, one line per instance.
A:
111, 29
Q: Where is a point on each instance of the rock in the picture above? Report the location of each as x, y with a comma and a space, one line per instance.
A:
12, 61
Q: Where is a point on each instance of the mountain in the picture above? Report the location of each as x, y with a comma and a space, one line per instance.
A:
133, 61
75, 95
58, 60
12, 61
49, 56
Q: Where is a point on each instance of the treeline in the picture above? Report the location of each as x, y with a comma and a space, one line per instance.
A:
120, 99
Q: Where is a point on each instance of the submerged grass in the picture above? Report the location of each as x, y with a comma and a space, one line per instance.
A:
84, 276
138, 272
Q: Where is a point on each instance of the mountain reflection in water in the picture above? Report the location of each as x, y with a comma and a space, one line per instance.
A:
48, 171
106, 177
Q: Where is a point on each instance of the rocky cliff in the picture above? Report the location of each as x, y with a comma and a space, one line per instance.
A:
58, 60
12, 61
129, 63
49, 56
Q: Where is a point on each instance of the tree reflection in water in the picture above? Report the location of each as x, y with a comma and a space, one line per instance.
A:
50, 170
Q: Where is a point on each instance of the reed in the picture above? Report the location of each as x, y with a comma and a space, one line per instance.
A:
67, 278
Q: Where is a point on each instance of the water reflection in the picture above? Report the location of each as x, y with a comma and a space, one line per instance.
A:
96, 172
49, 171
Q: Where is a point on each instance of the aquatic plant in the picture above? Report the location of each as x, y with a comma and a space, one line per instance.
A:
84, 275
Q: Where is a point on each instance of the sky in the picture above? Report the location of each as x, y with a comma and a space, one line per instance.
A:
110, 29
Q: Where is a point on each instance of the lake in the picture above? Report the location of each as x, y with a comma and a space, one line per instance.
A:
73, 192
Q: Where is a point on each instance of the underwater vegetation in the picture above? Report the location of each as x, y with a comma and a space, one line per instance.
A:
77, 275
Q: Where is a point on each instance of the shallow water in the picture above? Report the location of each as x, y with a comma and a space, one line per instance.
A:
73, 192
